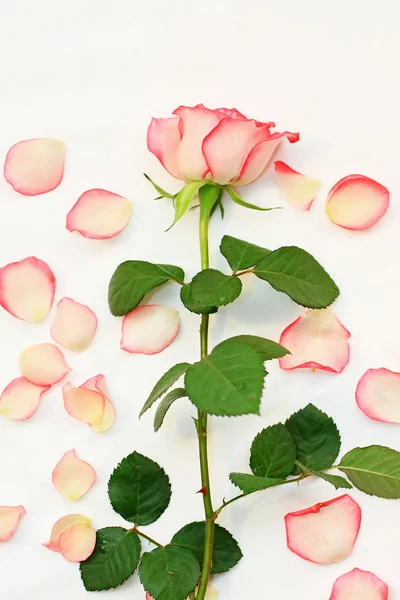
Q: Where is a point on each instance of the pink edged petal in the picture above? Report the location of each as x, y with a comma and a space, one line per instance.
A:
83, 404
73, 477
61, 526
74, 326
27, 289
149, 329
378, 395
98, 383
257, 161
77, 543
357, 202
163, 138
35, 166
20, 399
359, 585
9, 520
326, 532
43, 364
298, 189
99, 214
316, 341
232, 113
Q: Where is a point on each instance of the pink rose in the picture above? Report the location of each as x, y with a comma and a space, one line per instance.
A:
221, 145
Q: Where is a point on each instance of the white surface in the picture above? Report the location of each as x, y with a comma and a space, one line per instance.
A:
93, 73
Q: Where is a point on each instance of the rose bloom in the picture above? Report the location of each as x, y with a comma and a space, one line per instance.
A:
220, 145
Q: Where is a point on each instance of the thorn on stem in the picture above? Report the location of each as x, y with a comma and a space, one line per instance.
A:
202, 490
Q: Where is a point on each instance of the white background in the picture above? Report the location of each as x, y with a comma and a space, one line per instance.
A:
93, 73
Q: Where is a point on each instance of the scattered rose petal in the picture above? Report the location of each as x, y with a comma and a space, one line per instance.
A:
298, 189
99, 214
9, 520
27, 289
74, 326
326, 532
43, 364
378, 395
73, 477
316, 341
20, 399
359, 585
35, 166
98, 384
149, 329
357, 202
74, 537
83, 404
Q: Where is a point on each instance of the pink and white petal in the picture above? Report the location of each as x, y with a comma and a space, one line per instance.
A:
20, 399
149, 329
257, 161
326, 532
77, 543
27, 289
357, 202
359, 585
35, 166
232, 113
108, 418
74, 326
96, 384
378, 395
195, 123
99, 214
43, 364
9, 519
61, 526
83, 404
298, 189
316, 341
73, 477
163, 138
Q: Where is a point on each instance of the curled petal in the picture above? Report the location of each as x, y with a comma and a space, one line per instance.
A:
378, 395
316, 341
73, 477
326, 532
35, 166
357, 202
163, 138
98, 384
233, 113
73, 536
149, 329
257, 160
9, 520
74, 326
359, 585
84, 404
99, 214
300, 190
43, 364
20, 399
27, 289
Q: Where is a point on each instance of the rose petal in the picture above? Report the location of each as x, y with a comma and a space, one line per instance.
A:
35, 166
326, 532
84, 404
232, 113
163, 138
149, 329
73, 477
317, 341
256, 161
20, 399
74, 326
9, 520
300, 190
61, 526
43, 364
98, 383
378, 395
27, 289
357, 202
359, 585
99, 214
77, 543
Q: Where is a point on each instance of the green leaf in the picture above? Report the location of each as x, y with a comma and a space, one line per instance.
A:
184, 198
209, 290
374, 470
164, 383
296, 273
226, 551
337, 481
139, 489
239, 200
169, 573
316, 436
133, 279
251, 483
227, 382
267, 349
114, 559
273, 453
163, 193
164, 405
240, 254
